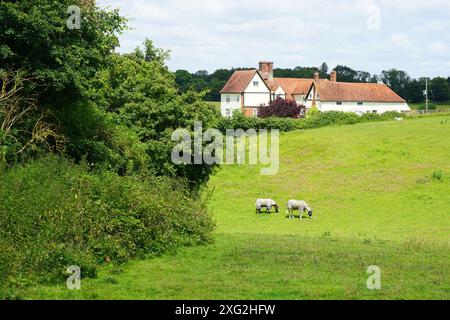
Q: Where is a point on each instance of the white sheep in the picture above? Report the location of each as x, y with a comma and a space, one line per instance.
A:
301, 206
265, 203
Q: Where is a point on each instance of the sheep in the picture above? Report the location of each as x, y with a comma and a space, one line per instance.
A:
265, 203
301, 206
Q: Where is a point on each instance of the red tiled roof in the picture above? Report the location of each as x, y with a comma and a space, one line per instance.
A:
356, 92
238, 81
292, 86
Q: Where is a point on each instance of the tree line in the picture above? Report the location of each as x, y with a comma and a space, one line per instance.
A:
407, 87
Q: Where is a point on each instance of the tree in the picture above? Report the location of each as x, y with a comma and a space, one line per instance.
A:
397, 80
414, 91
324, 69
143, 96
184, 80
62, 61
346, 74
281, 108
440, 90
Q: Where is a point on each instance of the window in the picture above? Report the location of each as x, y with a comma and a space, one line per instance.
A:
360, 103
310, 95
318, 97
228, 112
374, 111
255, 83
228, 99
339, 103
237, 98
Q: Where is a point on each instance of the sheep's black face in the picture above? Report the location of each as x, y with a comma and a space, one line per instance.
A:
310, 213
276, 209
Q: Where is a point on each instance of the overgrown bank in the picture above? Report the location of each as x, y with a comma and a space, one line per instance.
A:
54, 214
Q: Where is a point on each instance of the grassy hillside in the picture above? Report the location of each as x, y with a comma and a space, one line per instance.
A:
381, 196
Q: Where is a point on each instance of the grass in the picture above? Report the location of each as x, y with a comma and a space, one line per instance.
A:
431, 106
381, 196
215, 104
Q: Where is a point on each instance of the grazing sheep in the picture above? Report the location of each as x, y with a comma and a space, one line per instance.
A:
301, 206
265, 203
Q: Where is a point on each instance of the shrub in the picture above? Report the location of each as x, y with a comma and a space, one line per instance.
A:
313, 111
281, 108
54, 214
312, 121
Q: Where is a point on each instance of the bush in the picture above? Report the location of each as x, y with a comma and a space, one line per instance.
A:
54, 214
314, 120
313, 111
281, 108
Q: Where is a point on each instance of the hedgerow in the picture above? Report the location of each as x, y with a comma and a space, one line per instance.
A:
313, 121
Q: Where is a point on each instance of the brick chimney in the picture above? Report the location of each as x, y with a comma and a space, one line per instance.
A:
333, 76
266, 70
316, 76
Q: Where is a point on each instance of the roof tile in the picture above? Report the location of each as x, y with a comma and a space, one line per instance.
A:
356, 92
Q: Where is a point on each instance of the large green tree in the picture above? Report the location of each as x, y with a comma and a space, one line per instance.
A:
440, 90
35, 37
397, 80
142, 95
52, 65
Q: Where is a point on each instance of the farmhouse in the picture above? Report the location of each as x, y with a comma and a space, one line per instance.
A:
250, 90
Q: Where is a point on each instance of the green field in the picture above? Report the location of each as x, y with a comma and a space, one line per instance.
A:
380, 194
431, 106
216, 104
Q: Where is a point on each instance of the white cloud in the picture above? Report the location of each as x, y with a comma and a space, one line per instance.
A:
210, 34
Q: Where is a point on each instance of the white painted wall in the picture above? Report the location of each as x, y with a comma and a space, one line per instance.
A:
379, 107
256, 93
280, 93
300, 99
228, 103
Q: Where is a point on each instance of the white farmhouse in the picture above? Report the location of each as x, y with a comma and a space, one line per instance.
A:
354, 97
250, 90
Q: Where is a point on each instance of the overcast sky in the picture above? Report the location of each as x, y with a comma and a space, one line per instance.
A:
369, 35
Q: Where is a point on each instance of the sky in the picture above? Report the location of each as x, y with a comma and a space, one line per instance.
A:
368, 35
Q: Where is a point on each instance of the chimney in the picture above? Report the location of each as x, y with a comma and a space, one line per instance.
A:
266, 70
316, 76
333, 76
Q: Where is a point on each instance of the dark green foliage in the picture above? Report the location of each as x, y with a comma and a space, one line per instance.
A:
34, 37
54, 214
211, 84
346, 74
141, 95
439, 90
